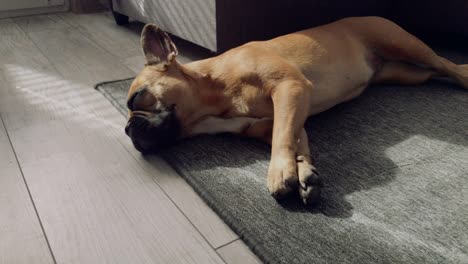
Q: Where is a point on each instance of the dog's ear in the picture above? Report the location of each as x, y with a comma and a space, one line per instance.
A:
157, 46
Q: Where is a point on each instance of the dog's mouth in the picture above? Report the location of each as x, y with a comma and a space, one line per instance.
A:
151, 132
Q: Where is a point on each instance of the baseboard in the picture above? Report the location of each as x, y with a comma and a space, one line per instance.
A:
87, 6
35, 11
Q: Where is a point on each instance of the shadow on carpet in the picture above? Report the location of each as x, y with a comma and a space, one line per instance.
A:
395, 168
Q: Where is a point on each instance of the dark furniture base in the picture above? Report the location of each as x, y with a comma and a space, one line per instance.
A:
120, 19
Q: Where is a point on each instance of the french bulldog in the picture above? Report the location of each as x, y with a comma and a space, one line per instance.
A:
267, 89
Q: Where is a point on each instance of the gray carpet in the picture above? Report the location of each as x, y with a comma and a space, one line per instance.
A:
395, 168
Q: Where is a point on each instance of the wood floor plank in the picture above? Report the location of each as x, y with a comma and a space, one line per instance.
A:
203, 218
16, 49
78, 58
21, 236
8, 27
135, 63
97, 204
238, 253
40, 23
121, 41
21, 65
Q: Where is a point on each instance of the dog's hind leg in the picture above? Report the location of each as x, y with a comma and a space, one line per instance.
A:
392, 43
402, 73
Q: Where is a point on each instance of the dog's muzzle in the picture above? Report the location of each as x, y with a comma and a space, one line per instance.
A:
152, 131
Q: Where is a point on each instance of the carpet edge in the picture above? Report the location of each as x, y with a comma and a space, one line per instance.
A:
254, 245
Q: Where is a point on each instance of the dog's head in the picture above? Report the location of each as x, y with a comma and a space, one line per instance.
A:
162, 99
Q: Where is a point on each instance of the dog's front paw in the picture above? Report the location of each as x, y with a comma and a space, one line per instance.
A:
282, 176
310, 183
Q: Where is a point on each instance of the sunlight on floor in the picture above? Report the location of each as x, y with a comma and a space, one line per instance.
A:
416, 149
61, 97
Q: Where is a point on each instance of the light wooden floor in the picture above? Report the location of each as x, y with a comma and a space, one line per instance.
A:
72, 187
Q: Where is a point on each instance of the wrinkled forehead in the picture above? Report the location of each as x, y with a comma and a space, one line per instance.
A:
146, 78
159, 83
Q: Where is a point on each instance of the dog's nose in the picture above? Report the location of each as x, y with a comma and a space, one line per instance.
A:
153, 131
135, 98
137, 122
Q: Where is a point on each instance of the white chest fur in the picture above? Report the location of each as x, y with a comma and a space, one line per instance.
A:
215, 125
